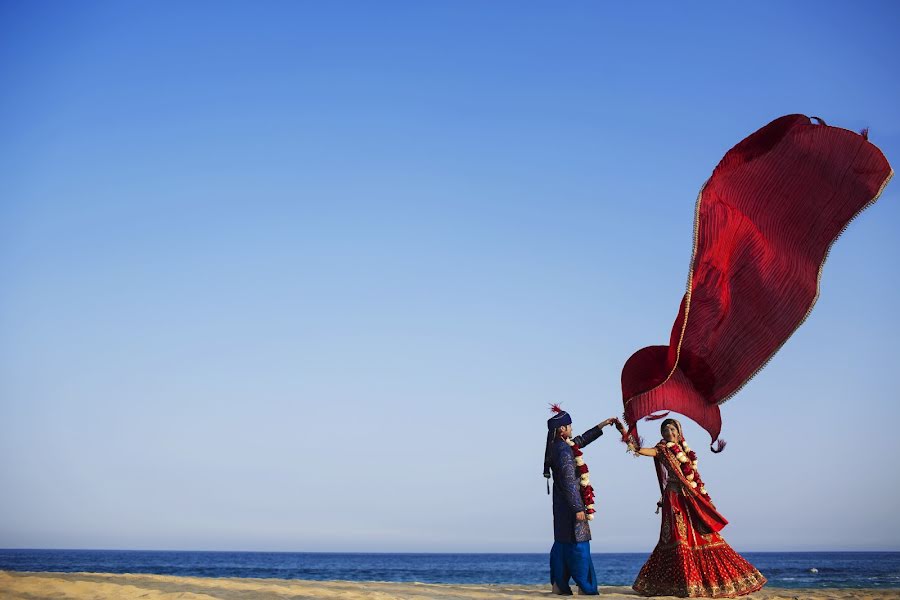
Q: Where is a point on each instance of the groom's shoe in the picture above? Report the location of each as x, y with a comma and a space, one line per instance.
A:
561, 592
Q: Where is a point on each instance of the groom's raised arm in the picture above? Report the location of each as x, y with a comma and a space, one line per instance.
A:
592, 434
588, 436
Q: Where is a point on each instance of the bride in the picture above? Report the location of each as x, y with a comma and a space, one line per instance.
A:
691, 558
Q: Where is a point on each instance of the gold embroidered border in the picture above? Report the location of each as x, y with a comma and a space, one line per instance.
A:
681, 525
734, 587
687, 545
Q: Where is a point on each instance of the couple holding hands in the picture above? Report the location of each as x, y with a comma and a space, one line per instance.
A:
690, 560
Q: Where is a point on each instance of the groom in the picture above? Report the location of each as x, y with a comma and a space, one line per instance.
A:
571, 552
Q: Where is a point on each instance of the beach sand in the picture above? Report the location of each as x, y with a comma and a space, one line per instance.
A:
97, 586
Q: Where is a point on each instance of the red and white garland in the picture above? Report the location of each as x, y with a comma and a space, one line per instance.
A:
688, 460
587, 492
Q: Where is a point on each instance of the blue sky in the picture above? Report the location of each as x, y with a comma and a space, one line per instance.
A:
300, 276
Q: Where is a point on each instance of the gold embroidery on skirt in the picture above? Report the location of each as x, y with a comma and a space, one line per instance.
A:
682, 528
727, 587
689, 547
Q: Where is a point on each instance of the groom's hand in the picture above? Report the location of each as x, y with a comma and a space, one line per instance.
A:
580, 516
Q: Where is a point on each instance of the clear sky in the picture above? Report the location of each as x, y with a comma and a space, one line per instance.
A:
305, 276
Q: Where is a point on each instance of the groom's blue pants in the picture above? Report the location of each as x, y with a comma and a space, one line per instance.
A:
572, 561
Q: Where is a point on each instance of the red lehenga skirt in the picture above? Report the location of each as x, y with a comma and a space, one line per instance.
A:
692, 560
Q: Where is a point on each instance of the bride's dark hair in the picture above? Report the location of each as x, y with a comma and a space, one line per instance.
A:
662, 426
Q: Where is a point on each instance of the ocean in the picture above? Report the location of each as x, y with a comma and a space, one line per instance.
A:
783, 569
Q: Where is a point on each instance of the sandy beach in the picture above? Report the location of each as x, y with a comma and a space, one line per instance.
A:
95, 586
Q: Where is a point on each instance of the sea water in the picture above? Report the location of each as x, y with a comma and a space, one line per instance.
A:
783, 569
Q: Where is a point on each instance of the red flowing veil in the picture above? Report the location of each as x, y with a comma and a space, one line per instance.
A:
765, 221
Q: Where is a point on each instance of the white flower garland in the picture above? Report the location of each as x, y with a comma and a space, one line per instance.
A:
682, 456
584, 480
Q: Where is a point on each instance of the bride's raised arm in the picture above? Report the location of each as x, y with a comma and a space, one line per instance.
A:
633, 447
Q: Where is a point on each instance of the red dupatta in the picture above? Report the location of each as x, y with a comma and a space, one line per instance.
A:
764, 223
